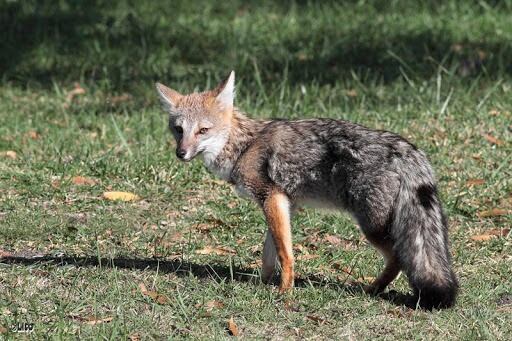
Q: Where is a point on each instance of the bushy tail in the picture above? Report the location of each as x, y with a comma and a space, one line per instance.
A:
421, 243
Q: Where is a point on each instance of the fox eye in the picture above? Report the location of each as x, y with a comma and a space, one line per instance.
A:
203, 131
178, 129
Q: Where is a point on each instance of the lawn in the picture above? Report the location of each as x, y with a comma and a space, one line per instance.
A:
79, 117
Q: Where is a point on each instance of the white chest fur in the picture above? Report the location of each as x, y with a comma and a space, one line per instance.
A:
213, 148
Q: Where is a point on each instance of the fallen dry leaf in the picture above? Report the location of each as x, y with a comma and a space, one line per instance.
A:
401, 312
123, 196
10, 154
78, 90
143, 288
341, 267
232, 327
351, 93
332, 239
172, 215
90, 319
161, 299
93, 320
493, 140
482, 237
34, 135
80, 180
204, 227
158, 298
490, 234
135, 337
3, 330
213, 304
216, 222
220, 250
499, 232
495, 212
41, 273
307, 256
317, 319
121, 98
474, 182
366, 279
346, 244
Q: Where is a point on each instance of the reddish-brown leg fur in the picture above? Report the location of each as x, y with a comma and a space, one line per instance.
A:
277, 213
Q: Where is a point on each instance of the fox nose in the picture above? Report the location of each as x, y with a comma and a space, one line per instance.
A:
180, 153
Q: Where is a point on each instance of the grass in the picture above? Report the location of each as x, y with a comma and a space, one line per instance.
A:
439, 74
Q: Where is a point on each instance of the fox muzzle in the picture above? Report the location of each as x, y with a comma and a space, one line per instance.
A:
181, 153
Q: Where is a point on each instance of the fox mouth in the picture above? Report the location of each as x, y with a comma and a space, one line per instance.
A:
188, 159
185, 159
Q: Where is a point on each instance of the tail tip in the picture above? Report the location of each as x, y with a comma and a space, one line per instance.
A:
437, 296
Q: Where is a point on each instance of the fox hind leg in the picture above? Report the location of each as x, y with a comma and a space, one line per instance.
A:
391, 268
390, 272
269, 258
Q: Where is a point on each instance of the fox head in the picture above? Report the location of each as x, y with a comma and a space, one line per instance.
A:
199, 122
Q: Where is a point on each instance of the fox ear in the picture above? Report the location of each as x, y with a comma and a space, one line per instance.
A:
168, 96
225, 92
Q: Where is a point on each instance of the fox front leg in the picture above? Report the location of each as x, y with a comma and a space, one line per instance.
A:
277, 212
269, 260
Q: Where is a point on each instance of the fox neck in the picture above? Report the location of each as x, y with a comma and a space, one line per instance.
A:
242, 132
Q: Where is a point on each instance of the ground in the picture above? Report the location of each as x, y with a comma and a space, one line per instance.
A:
79, 117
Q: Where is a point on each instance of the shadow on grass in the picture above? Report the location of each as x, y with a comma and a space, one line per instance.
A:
215, 271
71, 40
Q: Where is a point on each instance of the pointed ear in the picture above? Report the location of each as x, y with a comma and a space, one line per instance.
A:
225, 92
168, 97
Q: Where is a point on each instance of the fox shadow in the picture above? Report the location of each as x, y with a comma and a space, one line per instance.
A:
206, 271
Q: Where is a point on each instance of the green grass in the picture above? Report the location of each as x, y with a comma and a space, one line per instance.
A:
437, 73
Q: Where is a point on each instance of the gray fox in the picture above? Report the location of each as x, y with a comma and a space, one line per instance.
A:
380, 178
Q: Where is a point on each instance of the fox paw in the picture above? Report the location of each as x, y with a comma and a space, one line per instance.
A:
267, 277
285, 290
372, 290
286, 286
